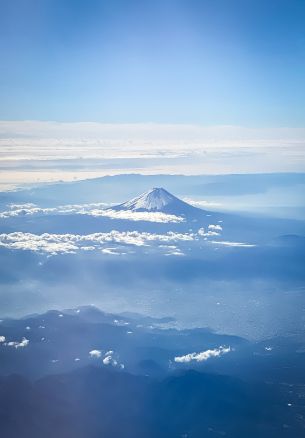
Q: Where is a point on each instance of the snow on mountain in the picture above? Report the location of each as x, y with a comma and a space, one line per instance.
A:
158, 200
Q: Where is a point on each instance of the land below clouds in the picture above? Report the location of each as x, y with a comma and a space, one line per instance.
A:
228, 271
129, 375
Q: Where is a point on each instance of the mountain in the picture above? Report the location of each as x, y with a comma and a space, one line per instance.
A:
158, 200
95, 402
55, 342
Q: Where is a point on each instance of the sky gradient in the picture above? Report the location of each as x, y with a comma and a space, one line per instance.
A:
209, 62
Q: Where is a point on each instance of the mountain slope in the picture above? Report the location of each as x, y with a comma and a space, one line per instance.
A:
94, 402
158, 200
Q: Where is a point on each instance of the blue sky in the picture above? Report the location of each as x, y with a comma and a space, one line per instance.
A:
172, 61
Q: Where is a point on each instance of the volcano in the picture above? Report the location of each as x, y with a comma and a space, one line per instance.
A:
158, 200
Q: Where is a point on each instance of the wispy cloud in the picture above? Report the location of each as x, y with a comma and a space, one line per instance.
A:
233, 244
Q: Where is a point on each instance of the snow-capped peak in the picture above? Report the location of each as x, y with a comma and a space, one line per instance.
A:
153, 200
156, 199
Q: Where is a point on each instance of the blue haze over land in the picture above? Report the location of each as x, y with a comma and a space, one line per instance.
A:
202, 305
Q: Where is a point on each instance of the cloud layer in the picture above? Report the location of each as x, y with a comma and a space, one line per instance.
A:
33, 151
96, 210
70, 243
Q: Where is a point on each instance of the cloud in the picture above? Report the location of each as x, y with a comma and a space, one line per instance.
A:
110, 360
201, 203
48, 243
30, 209
169, 243
120, 323
111, 251
233, 244
52, 140
23, 343
138, 216
174, 252
215, 227
143, 148
70, 243
96, 210
208, 233
203, 356
95, 353
2, 339
25, 211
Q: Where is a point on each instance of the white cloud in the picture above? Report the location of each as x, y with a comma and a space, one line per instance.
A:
203, 356
70, 243
2, 339
221, 149
168, 243
177, 252
96, 210
201, 203
52, 140
208, 233
23, 343
109, 359
215, 227
233, 244
138, 216
95, 353
20, 206
22, 211
42, 243
111, 251
30, 209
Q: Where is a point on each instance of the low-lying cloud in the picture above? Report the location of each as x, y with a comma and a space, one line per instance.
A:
69, 243
95, 353
203, 356
17, 344
96, 210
